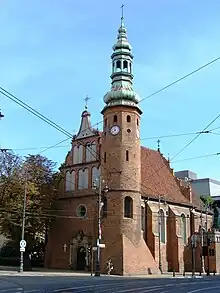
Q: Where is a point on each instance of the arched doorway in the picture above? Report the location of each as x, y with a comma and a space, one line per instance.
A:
81, 258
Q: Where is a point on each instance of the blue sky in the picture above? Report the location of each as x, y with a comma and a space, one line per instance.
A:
54, 53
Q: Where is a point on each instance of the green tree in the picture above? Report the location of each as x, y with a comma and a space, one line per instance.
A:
42, 181
207, 200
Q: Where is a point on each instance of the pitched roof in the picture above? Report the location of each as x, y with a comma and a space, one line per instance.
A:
157, 178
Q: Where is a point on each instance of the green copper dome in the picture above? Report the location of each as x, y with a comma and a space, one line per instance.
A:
121, 92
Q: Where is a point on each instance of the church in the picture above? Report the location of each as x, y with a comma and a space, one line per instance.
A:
120, 200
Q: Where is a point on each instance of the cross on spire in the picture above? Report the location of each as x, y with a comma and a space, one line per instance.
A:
122, 14
158, 145
87, 98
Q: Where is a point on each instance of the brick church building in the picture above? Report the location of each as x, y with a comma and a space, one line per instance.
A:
147, 215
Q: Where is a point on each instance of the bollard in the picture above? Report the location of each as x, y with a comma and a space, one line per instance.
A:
174, 273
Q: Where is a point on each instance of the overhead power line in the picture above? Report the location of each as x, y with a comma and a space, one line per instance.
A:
180, 79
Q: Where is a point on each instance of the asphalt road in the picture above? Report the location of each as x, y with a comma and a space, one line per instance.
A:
86, 284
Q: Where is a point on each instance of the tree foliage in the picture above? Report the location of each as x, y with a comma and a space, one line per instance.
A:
37, 174
207, 200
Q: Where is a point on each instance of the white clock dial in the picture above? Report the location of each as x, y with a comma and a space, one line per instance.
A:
115, 129
138, 133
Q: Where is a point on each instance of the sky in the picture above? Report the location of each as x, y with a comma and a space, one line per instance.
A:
54, 53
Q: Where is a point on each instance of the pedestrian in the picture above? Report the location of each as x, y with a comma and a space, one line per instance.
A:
109, 266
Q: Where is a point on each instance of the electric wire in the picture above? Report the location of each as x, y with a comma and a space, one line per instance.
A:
180, 79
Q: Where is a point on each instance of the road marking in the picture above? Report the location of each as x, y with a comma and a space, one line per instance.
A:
203, 289
14, 289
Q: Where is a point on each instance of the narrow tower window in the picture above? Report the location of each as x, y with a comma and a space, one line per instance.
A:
115, 118
128, 207
105, 122
105, 157
128, 118
127, 156
137, 122
118, 64
130, 68
125, 64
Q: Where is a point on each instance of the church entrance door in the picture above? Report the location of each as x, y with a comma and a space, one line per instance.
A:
81, 259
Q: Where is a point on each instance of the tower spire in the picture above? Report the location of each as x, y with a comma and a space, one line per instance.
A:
122, 92
122, 15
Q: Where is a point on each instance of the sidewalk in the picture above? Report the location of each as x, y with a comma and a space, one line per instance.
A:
13, 271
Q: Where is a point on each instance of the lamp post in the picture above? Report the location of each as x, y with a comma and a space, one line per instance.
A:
202, 244
100, 190
23, 222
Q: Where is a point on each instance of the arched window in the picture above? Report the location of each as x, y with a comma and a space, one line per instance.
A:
128, 118
118, 64
83, 179
91, 152
128, 207
161, 226
105, 207
137, 122
142, 218
115, 119
95, 174
130, 68
104, 157
125, 64
183, 228
70, 181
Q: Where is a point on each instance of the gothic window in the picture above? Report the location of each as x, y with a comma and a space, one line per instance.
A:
95, 174
104, 157
128, 207
83, 179
77, 154
128, 118
118, 65
125, 65
127, 156
91, 152
183, 228
105, 207
142, 218
161, 226
115, 119
70, 181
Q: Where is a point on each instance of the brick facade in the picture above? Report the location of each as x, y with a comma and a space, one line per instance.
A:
148, 215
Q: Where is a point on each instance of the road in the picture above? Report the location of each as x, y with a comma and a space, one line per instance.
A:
87, 284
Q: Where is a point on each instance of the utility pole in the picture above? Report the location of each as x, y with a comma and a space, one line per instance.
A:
202, 243
100, 205
23, 222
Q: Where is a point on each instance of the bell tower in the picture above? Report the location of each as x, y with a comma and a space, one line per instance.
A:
121, 166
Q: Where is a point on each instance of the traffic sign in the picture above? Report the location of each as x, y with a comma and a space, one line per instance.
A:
22, 249
94, 248
102, 245
23, 244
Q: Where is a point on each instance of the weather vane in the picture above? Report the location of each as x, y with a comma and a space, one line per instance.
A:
86, 101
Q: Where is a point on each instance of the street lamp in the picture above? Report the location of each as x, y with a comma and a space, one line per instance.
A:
23, 223
100, 190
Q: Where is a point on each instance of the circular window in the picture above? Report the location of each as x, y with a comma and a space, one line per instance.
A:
81, 211
128, 130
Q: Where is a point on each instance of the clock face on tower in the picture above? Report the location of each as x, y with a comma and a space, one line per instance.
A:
115, 129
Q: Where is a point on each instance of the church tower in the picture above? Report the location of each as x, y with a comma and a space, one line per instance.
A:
121, 166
